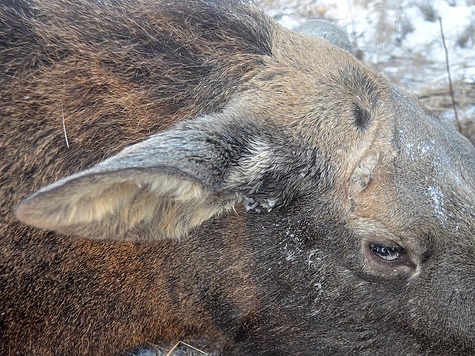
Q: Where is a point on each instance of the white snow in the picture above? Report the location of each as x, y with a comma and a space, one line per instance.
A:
395, 36
437, 197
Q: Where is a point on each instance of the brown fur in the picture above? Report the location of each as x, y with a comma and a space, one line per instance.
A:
328, 156
96, 86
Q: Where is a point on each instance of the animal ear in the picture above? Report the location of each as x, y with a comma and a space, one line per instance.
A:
161, 187
328, 32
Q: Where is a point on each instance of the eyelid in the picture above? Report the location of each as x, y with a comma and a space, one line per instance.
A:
375, 232
386, 245
398, 252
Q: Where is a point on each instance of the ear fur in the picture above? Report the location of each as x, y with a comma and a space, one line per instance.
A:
161, 187
117, 204
174, 181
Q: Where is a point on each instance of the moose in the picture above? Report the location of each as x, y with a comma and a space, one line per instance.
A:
192, 171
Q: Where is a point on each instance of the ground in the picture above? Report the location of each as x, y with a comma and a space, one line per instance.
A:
403, 39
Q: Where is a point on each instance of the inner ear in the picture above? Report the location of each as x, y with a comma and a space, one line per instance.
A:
361, 116
161, 187
115, 205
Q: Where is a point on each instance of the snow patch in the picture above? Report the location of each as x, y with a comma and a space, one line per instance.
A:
396, 35
438, 198
257, 206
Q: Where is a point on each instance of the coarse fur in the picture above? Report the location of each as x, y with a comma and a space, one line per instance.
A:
216, 179
468, 129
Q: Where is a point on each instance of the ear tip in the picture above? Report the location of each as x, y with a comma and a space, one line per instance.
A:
33, 211
22, 211
28, 213
36, 211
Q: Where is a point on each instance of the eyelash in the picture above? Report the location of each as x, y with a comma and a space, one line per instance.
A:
386, 253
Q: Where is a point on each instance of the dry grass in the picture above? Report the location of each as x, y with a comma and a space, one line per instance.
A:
438, 99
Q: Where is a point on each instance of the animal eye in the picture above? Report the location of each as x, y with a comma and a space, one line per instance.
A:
387, 253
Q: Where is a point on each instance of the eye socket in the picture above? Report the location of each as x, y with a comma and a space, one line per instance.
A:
386, 253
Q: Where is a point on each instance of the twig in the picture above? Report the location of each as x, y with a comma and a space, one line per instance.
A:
172, 351
64, 126
451, 88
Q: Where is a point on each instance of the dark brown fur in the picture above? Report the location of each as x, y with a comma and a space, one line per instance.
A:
266, 114
114, 79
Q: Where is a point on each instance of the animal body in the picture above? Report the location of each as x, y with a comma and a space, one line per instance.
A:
204, 175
